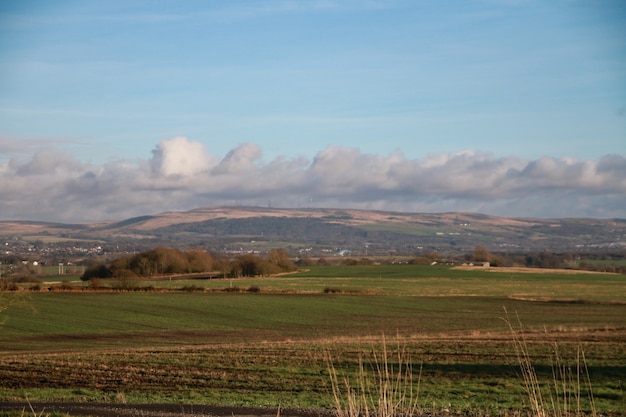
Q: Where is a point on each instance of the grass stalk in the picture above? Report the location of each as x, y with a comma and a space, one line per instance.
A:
564, 395
385, 388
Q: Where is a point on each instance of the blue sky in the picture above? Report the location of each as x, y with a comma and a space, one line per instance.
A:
99, 86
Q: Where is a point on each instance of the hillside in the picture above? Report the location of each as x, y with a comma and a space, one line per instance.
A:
358, 232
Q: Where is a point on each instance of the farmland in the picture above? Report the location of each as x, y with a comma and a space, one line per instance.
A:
266, 341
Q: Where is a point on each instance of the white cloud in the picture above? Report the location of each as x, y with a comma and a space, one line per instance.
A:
240, 159
178, 156
182, 175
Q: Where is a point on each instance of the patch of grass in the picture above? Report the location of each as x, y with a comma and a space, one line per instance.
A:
421, 280
78, 320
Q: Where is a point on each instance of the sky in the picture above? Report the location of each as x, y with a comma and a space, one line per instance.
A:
115, 109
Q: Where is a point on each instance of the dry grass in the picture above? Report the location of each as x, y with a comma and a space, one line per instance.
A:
383, 389
384, 385
31, 411
563, 396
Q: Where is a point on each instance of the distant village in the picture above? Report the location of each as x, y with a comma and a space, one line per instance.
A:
19, 256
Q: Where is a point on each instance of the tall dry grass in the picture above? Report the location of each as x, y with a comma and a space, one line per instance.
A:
565, 393
384, 388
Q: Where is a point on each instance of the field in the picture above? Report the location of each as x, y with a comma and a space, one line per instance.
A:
266, 341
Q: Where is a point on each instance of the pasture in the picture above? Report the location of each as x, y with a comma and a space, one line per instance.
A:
228, 345
429, 281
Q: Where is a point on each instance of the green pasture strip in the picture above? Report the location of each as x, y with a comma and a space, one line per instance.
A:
63, 278
604, 262
78, 320
374, 271
419, 280
54, 269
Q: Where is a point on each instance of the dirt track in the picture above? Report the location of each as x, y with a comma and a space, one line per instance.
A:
157, 410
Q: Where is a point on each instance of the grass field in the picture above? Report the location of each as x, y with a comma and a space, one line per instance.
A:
438, 281
270, 347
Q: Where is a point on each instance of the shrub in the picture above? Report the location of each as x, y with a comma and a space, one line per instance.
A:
192, 288
6, 285
96, 270
96, 283
125, 283
64, 286
322, 261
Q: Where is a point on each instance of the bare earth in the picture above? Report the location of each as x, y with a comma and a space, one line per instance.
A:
156, 410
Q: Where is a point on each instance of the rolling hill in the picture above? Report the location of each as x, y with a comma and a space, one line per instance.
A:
359, 232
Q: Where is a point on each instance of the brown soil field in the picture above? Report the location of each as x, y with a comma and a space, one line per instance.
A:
154, 410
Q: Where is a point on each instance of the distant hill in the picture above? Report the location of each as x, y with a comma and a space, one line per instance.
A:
360, 232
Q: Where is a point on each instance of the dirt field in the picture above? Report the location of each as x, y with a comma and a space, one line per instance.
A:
156, 410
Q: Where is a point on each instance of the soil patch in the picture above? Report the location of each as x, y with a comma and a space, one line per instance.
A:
158, 410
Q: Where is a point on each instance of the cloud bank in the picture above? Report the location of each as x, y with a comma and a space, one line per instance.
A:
181, 175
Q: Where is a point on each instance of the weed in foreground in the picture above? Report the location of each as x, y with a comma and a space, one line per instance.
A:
561, 397
32, 412
384, 389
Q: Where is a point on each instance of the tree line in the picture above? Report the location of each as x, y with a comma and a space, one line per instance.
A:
167, 261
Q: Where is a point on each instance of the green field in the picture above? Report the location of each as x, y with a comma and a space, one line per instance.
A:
418, 280
270, 347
